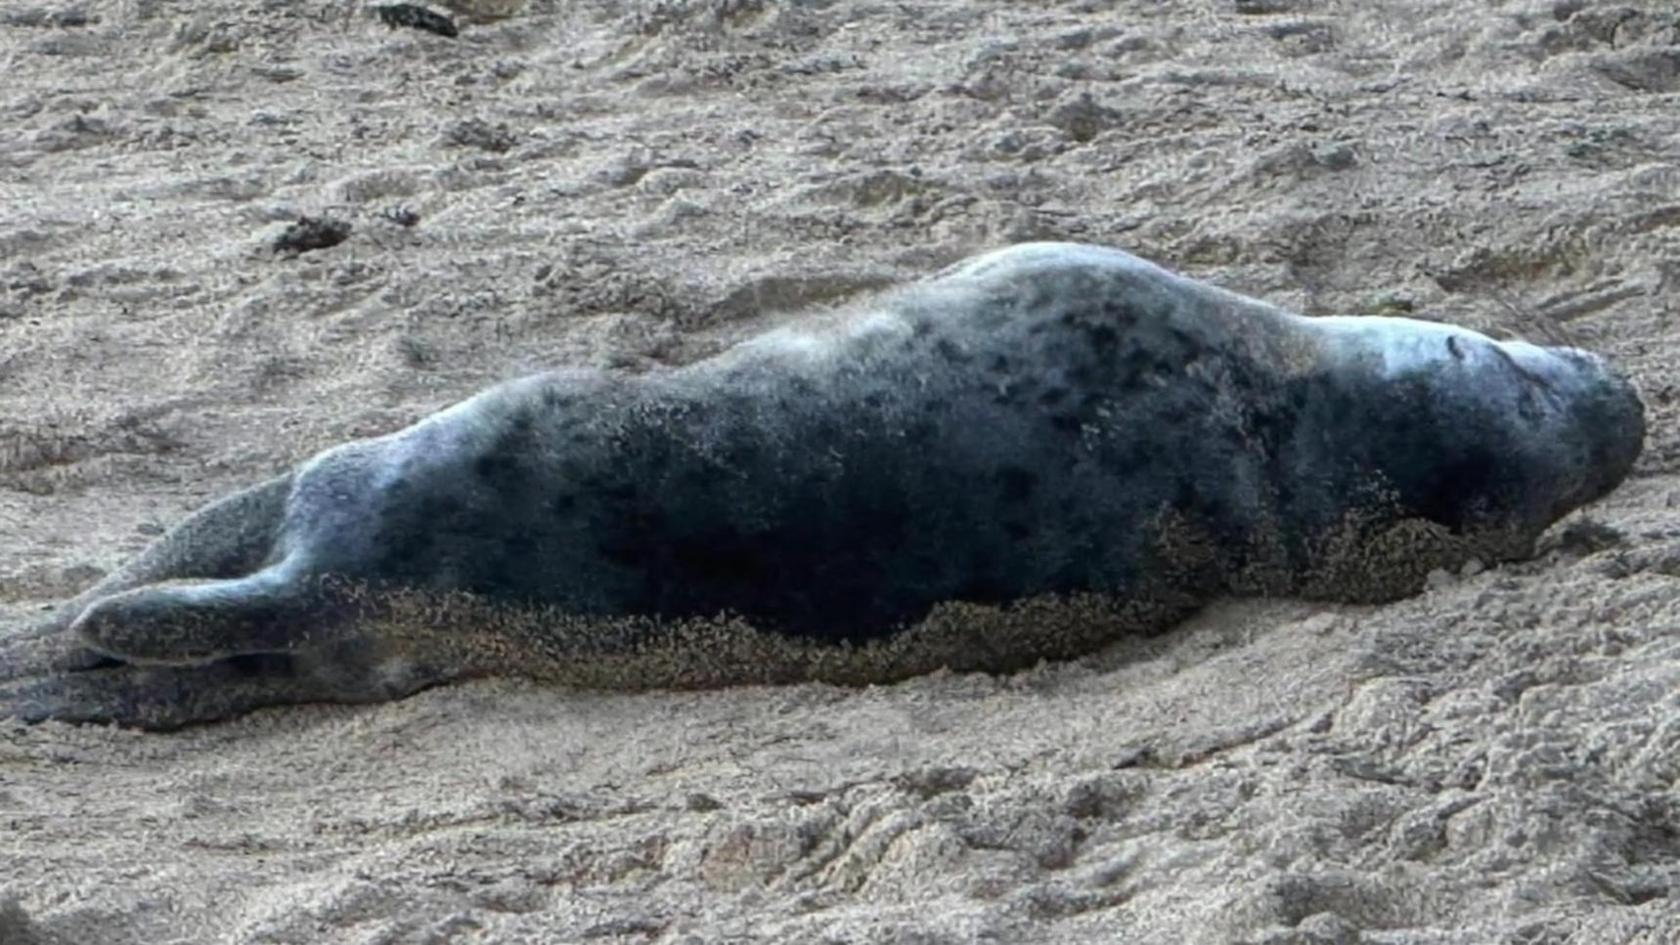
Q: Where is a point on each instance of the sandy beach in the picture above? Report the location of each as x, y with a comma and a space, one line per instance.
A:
635, 183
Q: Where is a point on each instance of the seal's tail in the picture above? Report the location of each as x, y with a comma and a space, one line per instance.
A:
226, 539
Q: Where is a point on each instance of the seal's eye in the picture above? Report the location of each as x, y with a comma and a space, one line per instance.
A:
1452, 346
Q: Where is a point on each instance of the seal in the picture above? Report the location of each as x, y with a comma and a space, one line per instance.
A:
1019, 458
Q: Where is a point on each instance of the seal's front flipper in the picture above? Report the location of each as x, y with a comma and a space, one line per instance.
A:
186, 624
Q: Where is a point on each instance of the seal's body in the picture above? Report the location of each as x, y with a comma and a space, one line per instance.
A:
1050, 419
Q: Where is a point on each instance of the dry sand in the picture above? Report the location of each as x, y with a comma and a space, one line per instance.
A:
634, 182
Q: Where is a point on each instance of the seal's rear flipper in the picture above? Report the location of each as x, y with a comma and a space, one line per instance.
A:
169, 697
34, 653
225, 539
228, 538
271, 611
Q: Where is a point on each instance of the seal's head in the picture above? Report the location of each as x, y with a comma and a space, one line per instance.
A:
1590, 411
1485, 435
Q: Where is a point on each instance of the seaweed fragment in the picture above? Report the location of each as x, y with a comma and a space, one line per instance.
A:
312, 233
416, 16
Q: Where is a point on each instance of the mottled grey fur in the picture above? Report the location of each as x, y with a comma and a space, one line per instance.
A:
858, 497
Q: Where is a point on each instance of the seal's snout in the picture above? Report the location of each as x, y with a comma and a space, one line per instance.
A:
1602, 420
1584, 424
1613, 422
